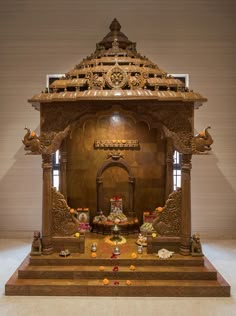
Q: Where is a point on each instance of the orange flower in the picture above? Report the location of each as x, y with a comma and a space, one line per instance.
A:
86, 209
128, 282
79, 209
136, 220
146, 213
101, 268
106, 281
134, 255
201, 133
72, 210
32, 134
132, 267
93, 255
159, 209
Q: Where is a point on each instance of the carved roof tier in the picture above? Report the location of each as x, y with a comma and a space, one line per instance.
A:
117, 71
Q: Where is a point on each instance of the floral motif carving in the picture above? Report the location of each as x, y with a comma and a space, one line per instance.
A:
182, 141
168, 221
96, 82
116, 77
136, 81
63, 223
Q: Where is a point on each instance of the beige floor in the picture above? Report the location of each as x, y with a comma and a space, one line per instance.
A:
222, 254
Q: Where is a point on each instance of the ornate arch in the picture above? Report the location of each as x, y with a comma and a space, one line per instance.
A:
114, 162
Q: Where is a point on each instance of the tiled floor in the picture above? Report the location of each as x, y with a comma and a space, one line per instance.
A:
221, 253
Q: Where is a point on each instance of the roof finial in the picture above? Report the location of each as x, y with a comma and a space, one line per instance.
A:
115, 26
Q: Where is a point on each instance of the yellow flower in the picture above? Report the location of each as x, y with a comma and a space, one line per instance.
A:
77, 235
128, 282
132, 267
154, 235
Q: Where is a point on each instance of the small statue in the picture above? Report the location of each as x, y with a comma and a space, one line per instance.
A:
36, 248
196, 247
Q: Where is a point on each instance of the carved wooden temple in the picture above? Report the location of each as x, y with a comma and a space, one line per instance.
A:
116, 120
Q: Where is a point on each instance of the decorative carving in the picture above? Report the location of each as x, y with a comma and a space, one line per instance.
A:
116, 77
185, 143
115, 156
63, 223
46, 143
202, 142
168, 221
136, 81
36, 248
196, 247
96, 82
182, 141
116, 144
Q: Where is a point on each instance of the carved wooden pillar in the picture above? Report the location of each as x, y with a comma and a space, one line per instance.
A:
46, 212
99, 194
185, 233
169, 168
63, 164
131, 196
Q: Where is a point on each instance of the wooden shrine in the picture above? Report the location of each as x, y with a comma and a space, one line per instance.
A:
116, 120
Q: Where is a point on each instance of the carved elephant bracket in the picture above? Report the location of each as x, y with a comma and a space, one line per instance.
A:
202, 142
46, 143
186, 143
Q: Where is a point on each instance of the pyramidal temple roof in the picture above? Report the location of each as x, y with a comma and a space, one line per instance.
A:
117, 71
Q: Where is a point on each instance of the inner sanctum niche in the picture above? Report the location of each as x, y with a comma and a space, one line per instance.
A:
137, 173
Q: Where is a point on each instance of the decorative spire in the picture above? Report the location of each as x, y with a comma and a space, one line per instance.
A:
115, 26
115, 34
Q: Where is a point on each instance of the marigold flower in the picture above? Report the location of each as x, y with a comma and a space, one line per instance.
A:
134, 255
106, 281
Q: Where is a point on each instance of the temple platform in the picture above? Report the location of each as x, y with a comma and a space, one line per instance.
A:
81, 275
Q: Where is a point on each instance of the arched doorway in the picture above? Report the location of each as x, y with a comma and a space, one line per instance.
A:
111, 163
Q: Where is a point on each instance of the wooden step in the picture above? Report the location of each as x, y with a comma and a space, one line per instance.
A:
79, 274
78, 259
146, 272
85, 287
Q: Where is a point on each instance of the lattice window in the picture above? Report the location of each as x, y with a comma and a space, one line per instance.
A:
55, 170
177, 170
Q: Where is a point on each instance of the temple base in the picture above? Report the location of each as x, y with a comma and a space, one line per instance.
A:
80, 274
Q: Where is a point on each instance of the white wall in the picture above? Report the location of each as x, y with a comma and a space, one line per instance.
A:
195, 37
